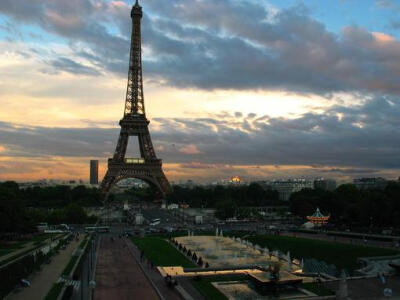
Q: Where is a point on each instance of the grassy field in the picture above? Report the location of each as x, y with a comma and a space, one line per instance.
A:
161, 253
343, 256
38, 241
55, 291
71, 264
8, 248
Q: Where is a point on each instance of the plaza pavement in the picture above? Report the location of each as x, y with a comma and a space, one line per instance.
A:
118, 275
369, 289
42, 282
158, 280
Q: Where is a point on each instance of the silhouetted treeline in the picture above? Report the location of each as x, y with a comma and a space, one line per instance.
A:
349, 206
59, 196
22, 209
14, 217
239, 196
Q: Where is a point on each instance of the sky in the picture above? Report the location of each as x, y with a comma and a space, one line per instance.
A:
257, 88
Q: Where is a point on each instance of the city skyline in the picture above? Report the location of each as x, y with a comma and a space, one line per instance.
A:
291, 92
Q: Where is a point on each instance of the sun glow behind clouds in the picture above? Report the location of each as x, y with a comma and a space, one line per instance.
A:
63, 99
68, 74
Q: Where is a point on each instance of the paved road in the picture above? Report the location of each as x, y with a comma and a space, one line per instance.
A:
118, 276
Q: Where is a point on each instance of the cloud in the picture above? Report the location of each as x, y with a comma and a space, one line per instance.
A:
189, 149
197, 44
345, 139
68, 65
196, 165
350, 171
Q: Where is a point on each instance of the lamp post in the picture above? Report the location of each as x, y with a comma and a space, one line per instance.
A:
92, 285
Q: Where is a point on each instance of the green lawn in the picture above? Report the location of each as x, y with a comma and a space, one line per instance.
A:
343, 256
54, 291
71, 264
38, 239
42, 237
5, 251
8, 248
68, 268
161, 253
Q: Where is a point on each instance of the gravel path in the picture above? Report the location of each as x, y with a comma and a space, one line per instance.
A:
118, 275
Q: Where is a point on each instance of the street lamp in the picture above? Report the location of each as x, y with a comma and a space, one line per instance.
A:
92, 285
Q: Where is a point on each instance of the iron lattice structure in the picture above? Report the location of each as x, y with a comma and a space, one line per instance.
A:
134, 123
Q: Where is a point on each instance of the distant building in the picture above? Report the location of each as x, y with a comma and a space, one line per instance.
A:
235, 180
286, 187
370, 183
94, 172
325, 184
187, 184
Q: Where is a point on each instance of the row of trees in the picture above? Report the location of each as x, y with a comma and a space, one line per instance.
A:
58, 196
13, 215
240, 196
21, 210
229, 201
348, 205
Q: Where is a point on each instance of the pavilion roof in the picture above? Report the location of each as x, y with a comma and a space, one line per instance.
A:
317, 214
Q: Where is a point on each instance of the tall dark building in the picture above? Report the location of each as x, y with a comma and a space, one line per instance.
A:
94, 172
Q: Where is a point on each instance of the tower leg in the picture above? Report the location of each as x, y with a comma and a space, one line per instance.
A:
106, 185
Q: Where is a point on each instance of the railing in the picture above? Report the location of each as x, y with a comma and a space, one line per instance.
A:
140, 161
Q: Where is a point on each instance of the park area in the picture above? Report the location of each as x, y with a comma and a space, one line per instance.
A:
11, 250
344, 256
161, 252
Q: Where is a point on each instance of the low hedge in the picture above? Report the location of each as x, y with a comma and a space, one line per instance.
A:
54, 291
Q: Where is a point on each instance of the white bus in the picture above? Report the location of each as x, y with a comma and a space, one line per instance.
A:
155, 222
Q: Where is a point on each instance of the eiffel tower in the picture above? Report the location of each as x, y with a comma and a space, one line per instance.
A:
134, 123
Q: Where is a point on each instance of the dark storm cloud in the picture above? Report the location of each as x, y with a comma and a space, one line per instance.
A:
222, 44
44, 141
68, 65
358, 140
349, 171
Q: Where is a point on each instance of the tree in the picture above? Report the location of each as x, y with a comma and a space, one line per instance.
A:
225, 209
75, 214
13, 216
